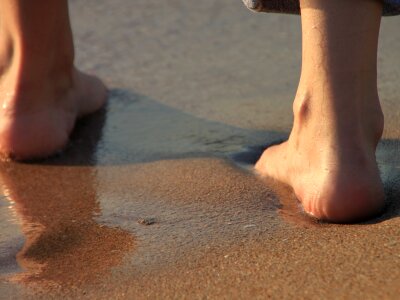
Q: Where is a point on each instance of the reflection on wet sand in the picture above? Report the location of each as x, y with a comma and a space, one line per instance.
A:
56, 206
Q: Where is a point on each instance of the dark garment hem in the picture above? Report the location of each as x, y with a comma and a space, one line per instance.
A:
390, 7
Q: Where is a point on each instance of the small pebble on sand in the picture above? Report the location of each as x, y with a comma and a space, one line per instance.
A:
147, 221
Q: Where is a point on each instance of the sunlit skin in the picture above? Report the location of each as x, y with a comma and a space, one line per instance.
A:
41, 93
329, 158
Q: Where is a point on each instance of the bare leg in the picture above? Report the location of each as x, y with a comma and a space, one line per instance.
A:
41, 93
329, 159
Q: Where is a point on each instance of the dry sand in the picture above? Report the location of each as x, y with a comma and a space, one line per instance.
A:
155, 198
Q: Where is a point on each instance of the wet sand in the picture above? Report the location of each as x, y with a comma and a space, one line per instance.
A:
155, 197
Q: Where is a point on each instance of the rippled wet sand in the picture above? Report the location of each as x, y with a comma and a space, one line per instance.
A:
155, 195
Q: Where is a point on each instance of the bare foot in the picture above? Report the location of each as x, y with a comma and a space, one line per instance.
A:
41, 92
329, 159
334, 174
36, 120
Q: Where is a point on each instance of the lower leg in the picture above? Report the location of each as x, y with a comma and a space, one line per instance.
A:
41, 93
329, 159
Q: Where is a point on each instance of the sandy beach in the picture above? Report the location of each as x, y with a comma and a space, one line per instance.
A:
155, 197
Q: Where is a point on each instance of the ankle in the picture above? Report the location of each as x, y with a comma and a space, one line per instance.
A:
348, 110
27, 76
35, 51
